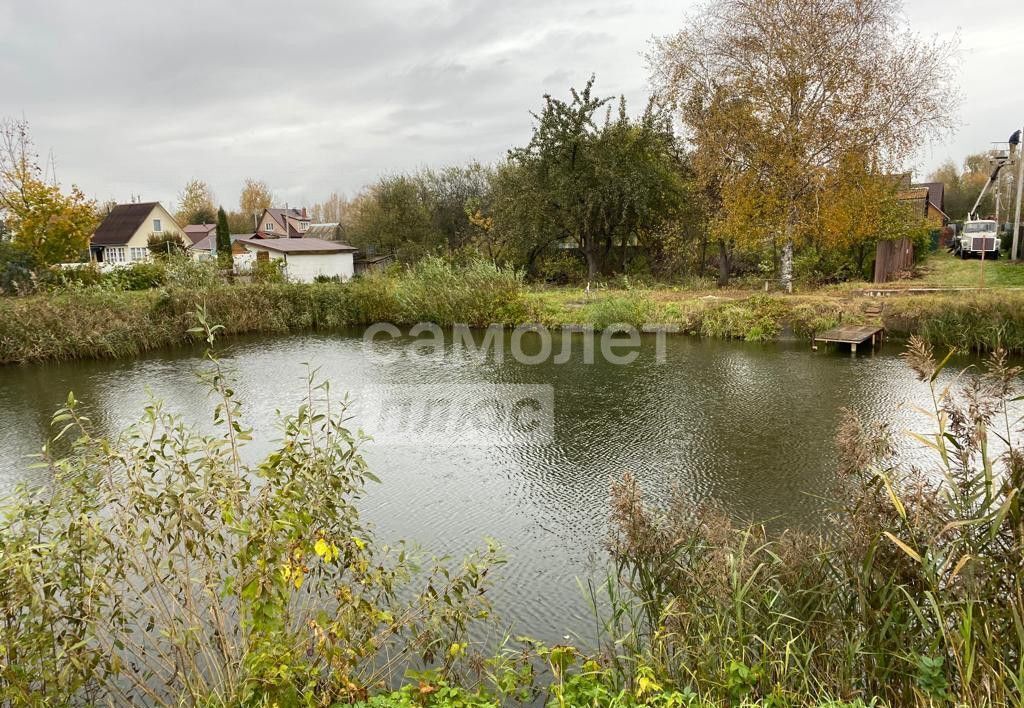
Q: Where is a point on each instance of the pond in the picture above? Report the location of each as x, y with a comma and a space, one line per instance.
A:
748, 426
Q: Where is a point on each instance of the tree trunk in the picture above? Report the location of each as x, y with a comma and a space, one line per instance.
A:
591, 263
531, 262
786, 260
786, 266
703, 252
724, 266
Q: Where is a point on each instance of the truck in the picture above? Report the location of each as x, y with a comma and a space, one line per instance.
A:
979, 237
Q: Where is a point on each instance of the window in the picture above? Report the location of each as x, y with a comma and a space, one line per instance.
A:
303, 225
139, 254
157, 226
114, 254
979, 227
269, 226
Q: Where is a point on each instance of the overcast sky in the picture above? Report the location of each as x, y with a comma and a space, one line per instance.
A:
316, 96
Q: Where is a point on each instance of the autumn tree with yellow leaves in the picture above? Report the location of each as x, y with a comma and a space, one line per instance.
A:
779, 98
41, 220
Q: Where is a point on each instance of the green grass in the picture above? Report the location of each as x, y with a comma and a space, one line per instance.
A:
945, 270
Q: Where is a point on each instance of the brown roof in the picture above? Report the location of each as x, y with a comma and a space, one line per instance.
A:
914, 192
936, 193
197, 232
299, 245
122, 221
281, 216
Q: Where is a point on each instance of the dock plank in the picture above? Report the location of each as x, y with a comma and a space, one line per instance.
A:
850, 334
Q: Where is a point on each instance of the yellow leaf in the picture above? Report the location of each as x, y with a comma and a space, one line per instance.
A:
960, 564
906, 549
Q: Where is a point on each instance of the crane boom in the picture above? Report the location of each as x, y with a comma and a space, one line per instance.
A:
972, 215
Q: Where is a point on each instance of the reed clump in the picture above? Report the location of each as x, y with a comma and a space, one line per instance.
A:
968, 321
100, 321
915, 596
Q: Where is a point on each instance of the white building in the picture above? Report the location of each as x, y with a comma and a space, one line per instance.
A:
304, 258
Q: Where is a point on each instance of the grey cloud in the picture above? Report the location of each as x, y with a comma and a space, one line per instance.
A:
310, 95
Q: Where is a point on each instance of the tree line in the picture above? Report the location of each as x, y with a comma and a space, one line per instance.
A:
768, 146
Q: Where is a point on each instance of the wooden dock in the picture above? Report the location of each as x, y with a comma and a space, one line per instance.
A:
852, 335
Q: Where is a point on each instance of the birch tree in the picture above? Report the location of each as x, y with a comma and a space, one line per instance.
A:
255, 197
195, 204
777, 95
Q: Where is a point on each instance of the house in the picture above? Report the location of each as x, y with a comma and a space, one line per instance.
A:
123, 237
198, 232
206, 248
304, 258
925, 199
282, 223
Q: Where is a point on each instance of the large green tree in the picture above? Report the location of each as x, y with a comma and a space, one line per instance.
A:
596, 184
394, 215
778, 96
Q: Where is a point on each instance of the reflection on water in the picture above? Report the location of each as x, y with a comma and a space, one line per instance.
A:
749, 427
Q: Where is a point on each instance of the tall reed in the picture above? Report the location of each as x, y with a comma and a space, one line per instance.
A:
914, 597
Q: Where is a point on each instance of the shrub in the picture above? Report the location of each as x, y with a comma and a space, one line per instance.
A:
166, 244
373, 297
965, 321
136, 276
17, 269
561, 267
633, 309
190, 274
327, 279
268, 271
479, 293
159, 568
86, 276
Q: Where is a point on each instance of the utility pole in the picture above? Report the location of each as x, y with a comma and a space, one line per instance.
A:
1020, 183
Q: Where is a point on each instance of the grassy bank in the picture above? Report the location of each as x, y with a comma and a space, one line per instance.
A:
95, 322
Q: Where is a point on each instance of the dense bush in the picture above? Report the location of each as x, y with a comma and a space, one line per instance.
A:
634, 308
137, 276
479, 293
188, 273
269, 271
159, 569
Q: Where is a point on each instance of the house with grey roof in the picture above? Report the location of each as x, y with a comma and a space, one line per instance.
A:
302, 259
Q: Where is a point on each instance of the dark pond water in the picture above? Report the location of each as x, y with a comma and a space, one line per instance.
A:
749, 426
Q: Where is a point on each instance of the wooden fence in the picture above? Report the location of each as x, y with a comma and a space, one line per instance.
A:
893, 258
